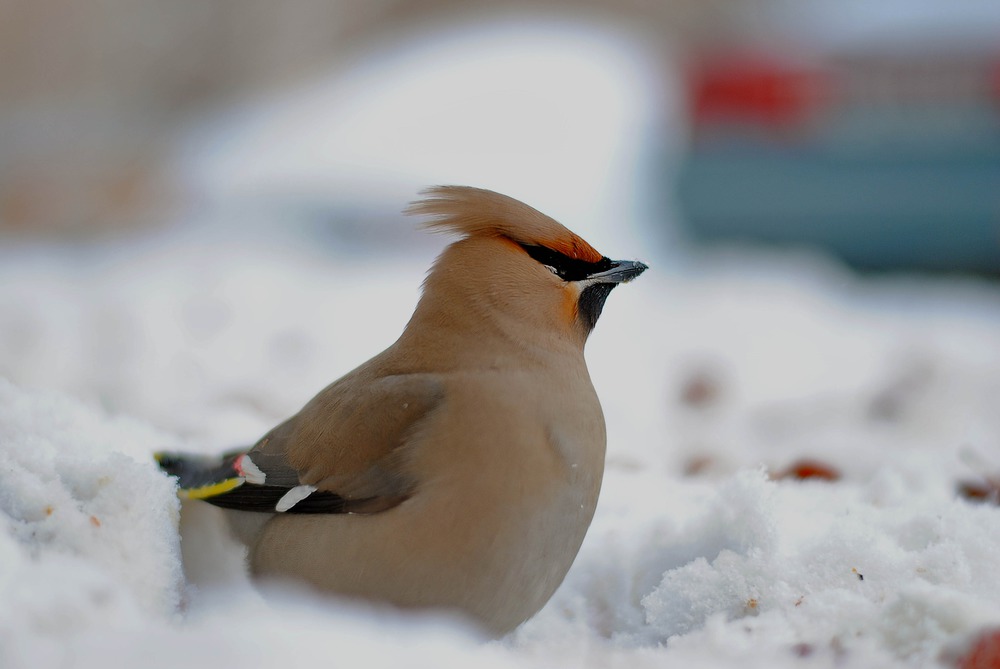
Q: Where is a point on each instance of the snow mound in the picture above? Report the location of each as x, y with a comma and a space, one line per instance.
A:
87, 524
749, 567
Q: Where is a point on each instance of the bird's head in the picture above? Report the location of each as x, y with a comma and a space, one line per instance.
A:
515, 266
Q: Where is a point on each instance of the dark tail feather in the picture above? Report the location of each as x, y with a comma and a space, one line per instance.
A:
201, 476
220, 481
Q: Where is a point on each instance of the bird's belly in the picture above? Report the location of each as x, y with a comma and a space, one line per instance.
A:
498, 564
491, 533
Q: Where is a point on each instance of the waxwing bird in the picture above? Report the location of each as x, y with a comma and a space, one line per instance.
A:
459, 469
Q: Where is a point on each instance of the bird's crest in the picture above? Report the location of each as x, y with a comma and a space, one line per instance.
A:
478, 212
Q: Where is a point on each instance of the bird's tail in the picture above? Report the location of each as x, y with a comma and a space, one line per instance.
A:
234, 481
203, 476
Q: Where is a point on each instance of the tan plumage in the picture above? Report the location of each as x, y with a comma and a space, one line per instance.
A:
465, 460
478, 212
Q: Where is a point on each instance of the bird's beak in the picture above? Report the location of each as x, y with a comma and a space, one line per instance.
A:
622, 271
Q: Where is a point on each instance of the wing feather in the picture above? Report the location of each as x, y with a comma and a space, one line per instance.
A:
345, 452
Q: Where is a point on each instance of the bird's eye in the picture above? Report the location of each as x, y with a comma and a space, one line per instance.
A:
564, 267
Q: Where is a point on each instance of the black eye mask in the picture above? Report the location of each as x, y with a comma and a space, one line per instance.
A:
567, 269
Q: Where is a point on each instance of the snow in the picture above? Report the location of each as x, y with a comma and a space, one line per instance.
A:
88, 541
185, 344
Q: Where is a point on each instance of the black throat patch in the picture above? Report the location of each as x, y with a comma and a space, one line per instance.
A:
591, 302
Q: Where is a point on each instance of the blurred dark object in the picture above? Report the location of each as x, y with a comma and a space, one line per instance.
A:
808, 469
984, 486
986, 491
701, 388
93, 94
886, 154
698, 465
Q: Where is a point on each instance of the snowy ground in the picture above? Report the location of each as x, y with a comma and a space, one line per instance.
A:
711, 377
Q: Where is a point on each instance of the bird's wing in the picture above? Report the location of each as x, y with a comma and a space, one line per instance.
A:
345, 452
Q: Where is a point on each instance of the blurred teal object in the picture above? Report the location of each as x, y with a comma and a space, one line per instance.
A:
890, 163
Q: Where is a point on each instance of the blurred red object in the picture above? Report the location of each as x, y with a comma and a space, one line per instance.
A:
809, 469
987, 492
757, 89
983, 652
